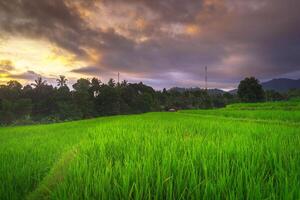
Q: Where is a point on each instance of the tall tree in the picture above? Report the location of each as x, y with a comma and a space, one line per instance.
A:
83, 98
39, 82
13, 104
250, 90
95, 86
111, 83
108, 101
61, 81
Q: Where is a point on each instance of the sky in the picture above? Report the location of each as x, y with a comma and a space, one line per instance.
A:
163, 43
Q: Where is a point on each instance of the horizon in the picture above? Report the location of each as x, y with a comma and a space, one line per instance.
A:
53, 82
162, 44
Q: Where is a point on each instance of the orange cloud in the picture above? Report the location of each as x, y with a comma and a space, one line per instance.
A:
141, 24
94, 55
192, 29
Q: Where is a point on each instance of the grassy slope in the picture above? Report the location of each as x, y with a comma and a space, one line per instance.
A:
270, 112
190, 154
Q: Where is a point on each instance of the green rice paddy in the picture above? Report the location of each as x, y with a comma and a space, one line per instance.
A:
245, 151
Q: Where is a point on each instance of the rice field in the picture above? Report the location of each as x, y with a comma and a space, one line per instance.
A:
245, 151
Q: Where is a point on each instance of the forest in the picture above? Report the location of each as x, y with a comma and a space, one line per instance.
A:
41, 102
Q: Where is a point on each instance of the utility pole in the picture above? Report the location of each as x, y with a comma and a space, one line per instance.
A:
118, 78
205, 77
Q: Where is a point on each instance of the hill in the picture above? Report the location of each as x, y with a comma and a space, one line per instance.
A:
281, 84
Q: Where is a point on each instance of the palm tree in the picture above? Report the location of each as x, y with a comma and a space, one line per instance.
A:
124, 83
61, 81
39, 82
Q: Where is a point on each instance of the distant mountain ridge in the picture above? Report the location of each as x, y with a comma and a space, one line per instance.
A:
278, 85
281, 84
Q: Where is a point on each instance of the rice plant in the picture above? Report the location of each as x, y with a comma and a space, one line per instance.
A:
210, 154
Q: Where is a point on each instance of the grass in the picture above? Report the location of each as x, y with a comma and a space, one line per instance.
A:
232, 153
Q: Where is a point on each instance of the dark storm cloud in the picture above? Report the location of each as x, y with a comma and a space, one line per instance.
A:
235, 38
270, 34
36, 18
168, 10
164, 56
87, 70
55, 20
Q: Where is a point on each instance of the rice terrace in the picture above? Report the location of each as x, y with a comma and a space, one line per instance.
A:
244, 151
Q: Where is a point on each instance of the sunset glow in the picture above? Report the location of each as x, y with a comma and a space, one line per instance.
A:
42, 57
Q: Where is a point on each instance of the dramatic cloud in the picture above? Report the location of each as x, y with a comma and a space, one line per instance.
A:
163, 43
29, 75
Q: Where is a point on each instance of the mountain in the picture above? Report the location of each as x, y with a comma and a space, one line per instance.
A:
281, 84
233, 92
215, 91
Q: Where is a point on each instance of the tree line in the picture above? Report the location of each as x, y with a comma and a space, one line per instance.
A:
41, 102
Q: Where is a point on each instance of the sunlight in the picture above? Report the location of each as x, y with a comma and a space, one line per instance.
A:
192, 30
37, 55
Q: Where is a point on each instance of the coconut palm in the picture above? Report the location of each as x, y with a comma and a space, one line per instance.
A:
61, 81
39, 82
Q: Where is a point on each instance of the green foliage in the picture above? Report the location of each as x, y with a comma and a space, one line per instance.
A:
294, 93
40, 102
250, 90
272, 95
14, 109
209, 154
107, 101
83, 98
